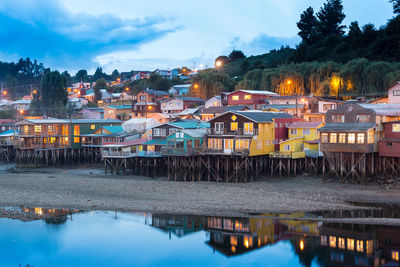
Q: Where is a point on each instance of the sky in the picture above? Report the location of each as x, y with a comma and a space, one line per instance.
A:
146, 35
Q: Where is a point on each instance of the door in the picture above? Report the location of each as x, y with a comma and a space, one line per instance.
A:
228, 146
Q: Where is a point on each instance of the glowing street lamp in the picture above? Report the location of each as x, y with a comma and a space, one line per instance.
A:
34, 92
289, 82
127, 89
4, 93
195, 86
218, 63
301, 245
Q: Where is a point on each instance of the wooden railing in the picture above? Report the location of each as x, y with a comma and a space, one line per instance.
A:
287, 155
217, 151
172, 151
117, 154
224, 131
312, 153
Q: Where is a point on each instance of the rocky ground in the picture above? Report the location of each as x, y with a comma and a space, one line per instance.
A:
90, 189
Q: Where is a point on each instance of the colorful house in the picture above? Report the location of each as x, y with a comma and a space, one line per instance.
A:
303, 139
117, 112
107, 135
178, 104
250, 97
389, 145
243, 133
185, 142
212, 112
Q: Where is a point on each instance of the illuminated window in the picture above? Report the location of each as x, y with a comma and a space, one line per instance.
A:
38, 128
248, 127
52, 140
333, 138
246, 144
396, 127
235, 97
362, 118
247, 97
341, 243
76, 130
228, 143
233, 240
26, 129
342, 138
360, 246
76, 139
351, 138
395, 255
370, 137
248, 241
332, 241
369, 247
360, 138
50, 128
324, 138
234, 126
92, 127
140, 148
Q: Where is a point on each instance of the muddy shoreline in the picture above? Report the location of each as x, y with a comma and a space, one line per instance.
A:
87, 188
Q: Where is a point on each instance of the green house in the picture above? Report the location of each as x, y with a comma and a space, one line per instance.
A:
81, 127
185, 142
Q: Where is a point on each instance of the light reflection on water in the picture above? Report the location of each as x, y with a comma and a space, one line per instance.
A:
51, 237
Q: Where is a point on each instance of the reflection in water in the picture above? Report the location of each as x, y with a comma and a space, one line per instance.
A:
111, 238
327, 244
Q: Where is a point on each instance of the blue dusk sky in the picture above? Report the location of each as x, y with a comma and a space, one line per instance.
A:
145, 35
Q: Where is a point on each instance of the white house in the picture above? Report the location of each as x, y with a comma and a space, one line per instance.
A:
167, 74
394, 93
172, 105
214, 101
180, 89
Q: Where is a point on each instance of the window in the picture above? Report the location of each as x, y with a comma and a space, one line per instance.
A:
140, 148
156, 132
360, 246
332, 241
306, 131
293, 131
219, 127
210, 143
228, 143
287, 148
396, 93
38, 128
234, 126
76, 139
337, 118
324, 138
171, 131
92, 126
324, 240
142, 98
76, 130
362, 118
395, 255
370, 137
360, 138
247, 97
259, 144
369, 247
333, 138
351, 138
50, 128
328, 106
396, 127
233, 240
342, 138
341, 243
248, 127
235, 97
350, 244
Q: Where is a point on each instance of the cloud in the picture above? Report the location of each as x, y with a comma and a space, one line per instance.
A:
262, 44
47, 32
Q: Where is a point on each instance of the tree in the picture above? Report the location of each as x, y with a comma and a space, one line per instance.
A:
99, 74
114, 75
67, 77
100, 84
53, 95
330, 19
235, 55
81, 75
355, 34
396, 6
307, 25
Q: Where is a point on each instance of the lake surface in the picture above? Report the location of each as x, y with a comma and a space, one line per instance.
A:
51, 237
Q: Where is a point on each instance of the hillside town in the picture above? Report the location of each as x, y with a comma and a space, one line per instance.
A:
235, 136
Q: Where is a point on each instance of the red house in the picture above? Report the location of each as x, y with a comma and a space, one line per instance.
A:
249, 97
281, 130
389, 145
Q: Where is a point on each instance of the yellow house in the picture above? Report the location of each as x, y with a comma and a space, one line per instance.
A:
303, 136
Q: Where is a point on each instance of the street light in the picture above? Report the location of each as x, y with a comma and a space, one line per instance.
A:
34, 92
127, 89
218, 63
196, 86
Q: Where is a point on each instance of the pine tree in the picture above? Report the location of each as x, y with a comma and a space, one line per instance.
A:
307, 25
396, 6
330, 18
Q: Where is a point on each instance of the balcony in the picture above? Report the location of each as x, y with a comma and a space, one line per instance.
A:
118, 154
224, 131
313, 153
233, 152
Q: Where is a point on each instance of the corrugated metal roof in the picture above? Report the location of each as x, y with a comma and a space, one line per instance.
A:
262, 116
256, 92
8, 133
304, 124
285, 106
43, 121
114, 129
160, 142
193, 132
347, 127
223, 109
189, 125
383, 109
120, 106
93, 121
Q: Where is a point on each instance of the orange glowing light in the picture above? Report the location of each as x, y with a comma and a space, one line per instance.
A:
34, 91
218, 64
21, 111
233, 248
289, 82
196, 85
302, 100
246, 243
301, 245
149, 107
4, 92
127, 89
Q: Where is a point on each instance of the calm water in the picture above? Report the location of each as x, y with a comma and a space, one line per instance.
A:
48, 237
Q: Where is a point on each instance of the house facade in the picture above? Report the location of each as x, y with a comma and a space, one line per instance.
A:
243, 133
389, 145
394, 93
178, 104
214, 101
180, 90
117, 112
257, 99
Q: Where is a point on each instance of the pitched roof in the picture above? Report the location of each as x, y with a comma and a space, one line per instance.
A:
120, 106
383, 109
305, 124
8, 133
114, 129
256, 92
220, 110
94, 121
285, 106
347, 127
262, 116
161, 142
194, 132
188, 98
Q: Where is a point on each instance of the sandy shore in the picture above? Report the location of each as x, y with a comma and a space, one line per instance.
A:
90, 189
